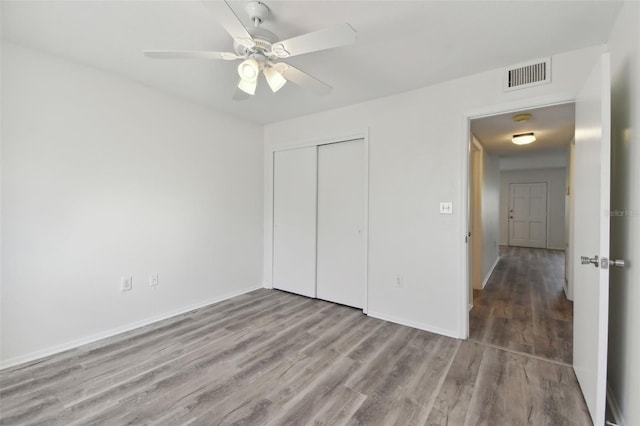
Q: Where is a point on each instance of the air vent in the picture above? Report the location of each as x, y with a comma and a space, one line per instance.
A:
528, 74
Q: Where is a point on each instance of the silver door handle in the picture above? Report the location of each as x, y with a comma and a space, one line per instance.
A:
604, 263
585, 260
617, 262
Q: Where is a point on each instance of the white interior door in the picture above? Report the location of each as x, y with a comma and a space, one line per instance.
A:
294, 220
528, 215
591, 237
341, 196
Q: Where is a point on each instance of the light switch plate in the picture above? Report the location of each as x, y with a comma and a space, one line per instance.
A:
446, 207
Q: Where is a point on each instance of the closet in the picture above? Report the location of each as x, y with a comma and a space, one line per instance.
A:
319, 210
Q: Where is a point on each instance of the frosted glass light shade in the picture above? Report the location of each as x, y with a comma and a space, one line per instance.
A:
249, 69
523, 138
248, 86
274, 79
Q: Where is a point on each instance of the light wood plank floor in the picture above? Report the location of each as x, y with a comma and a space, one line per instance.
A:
270, 357
523, 306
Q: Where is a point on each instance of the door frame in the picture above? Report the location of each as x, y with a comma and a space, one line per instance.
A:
485, 111
269, 204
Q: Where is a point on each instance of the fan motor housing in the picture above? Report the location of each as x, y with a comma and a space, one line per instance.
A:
263, 38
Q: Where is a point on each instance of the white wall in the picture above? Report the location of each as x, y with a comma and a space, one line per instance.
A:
543, 160
103, 178
418, 151
556, 186
490, 213
624, 314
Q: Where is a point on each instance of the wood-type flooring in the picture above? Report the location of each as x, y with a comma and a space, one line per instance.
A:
523, 307
274, 358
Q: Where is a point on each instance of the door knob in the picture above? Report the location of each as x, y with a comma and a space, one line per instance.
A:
617, 262
604, 263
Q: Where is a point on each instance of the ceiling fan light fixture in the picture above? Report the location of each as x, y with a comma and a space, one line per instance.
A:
274, 78
523, 138
249, 69
248, 86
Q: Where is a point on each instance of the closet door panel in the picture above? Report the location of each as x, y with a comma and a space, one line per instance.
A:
294, 227
341, 197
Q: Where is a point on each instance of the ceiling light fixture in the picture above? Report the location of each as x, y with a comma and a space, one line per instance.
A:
274, 78
249, 69
523, 138
248, 86
520, 118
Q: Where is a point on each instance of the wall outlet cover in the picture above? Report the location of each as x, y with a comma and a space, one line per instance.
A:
126, 283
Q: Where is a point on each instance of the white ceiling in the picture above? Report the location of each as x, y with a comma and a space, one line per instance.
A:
402, 45
553, 127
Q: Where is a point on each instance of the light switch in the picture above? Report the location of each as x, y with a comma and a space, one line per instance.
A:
446, 207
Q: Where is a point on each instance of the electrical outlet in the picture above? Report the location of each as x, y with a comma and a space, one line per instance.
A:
399, 281
126, 283
153, 280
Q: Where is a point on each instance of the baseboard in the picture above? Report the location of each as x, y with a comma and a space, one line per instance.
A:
612, 402
413, 324
486, 279
470, 306
12, 362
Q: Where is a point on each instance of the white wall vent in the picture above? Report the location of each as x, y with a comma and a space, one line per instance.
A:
527, 74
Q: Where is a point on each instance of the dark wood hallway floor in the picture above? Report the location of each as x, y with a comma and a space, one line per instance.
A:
523, 307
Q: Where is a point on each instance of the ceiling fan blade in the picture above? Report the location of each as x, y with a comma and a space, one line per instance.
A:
303, 79
328, 38
190, 54
240, 95
230, 22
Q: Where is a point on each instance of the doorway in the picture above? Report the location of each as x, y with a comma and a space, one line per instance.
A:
519, 222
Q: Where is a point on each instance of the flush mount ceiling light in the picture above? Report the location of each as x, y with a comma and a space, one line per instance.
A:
520, 118
523, 138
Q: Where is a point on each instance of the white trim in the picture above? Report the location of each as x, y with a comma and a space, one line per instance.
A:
365, 225
11, 362
413, 324
612, 402
465, 256
322, 141
485, 111
268, 198
470, 306
486, 279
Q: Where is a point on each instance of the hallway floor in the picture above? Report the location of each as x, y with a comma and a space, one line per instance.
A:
523, 307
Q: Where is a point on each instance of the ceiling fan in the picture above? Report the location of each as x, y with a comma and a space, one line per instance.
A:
261, 50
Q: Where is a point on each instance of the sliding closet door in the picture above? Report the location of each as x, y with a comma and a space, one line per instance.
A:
341, 197
294, 221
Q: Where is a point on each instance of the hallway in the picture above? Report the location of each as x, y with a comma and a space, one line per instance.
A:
523, 307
